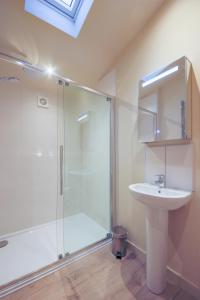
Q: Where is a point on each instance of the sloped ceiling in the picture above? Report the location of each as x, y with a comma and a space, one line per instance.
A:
108, 29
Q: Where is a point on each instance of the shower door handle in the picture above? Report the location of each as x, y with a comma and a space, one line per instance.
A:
61, 170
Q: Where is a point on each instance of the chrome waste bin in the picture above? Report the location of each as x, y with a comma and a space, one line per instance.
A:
119, 241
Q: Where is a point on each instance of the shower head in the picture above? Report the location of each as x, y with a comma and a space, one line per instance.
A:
9, 78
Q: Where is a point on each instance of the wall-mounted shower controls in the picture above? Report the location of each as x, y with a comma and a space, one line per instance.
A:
42, 102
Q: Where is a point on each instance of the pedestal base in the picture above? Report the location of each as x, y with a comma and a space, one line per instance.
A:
157, 246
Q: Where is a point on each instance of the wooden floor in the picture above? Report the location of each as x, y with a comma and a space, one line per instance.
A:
96, 277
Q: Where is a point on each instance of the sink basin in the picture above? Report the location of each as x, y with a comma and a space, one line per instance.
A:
164, 198
158, 202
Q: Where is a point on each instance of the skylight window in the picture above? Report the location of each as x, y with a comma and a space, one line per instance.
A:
66, 15
68, 7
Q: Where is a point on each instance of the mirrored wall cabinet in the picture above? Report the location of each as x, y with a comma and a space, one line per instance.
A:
164, 106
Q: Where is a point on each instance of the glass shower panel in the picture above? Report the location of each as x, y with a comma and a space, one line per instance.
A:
86, 168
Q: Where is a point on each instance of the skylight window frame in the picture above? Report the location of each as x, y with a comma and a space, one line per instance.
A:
51, 15
63, 9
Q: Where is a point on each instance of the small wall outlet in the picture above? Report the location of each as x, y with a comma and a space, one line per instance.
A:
42, 102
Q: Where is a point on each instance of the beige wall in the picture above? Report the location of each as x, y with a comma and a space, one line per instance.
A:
107, 84
172, 33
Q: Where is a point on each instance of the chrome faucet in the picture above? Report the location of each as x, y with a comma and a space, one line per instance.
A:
160, 181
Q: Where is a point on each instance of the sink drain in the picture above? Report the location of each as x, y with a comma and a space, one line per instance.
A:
3, 243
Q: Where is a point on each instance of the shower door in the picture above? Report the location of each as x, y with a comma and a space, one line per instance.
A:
86, 183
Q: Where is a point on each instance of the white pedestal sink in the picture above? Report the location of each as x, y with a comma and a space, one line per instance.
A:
158, 202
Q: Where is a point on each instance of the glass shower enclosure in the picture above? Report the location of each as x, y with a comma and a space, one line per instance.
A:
55, 157
85, 181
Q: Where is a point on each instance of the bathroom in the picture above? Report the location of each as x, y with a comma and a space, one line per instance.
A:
71, 145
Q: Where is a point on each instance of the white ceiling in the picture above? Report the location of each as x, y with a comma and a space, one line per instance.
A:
109, 28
